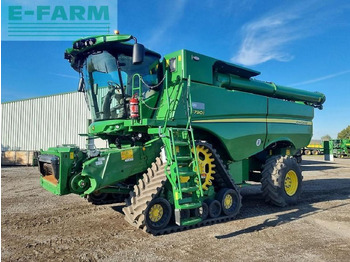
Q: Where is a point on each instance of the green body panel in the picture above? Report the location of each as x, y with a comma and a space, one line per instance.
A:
240, 171
289, 121
245, 121
116, 165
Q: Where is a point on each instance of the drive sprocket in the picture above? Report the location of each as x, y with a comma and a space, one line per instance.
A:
206, 165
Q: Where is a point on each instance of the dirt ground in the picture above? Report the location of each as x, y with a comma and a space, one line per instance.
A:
38, 226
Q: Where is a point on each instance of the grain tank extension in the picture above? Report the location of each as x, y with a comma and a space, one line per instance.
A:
185, 133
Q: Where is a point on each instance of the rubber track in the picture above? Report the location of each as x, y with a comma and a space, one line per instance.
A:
147, 188
150, 186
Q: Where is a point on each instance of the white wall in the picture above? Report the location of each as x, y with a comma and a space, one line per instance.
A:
43, 122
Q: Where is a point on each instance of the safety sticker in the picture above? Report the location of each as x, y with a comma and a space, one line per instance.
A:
127, 155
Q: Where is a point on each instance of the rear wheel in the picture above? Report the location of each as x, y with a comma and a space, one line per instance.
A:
281, 181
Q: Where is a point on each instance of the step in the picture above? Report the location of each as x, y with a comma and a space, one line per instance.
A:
190, 205
185, 200
180, 143
187, 173
189, 189
180, 129
184, 158
190, 221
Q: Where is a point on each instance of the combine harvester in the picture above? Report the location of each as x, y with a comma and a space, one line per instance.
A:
185, 133
341, 148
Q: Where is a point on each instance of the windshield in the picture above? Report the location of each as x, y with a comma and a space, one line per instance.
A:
109, 90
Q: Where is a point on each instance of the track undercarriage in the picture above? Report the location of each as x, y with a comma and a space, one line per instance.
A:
140, 208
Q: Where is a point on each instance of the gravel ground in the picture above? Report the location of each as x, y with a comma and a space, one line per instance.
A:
38, 226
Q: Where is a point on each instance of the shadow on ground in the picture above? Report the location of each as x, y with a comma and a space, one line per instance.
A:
314, 191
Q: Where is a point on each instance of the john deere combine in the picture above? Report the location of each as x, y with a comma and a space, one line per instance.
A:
341, 147
184, 132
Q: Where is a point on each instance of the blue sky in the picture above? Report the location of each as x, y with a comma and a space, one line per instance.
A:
302, 44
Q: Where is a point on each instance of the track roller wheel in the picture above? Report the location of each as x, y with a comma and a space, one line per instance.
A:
97, 197
158, 213
214, 208
202, 211
230, 201
281, 181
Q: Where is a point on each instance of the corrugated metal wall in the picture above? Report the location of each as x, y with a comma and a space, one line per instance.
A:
44, 122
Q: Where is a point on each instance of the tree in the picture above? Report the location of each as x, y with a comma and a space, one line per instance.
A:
326, 138
345, 133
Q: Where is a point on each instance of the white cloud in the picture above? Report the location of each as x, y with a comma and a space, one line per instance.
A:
320, 78
267, 38
66, 76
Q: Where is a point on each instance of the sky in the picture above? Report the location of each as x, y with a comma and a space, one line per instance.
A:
301, 44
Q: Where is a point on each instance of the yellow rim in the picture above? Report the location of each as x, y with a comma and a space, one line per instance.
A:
228, 201
206, 165
291, 183
155, 213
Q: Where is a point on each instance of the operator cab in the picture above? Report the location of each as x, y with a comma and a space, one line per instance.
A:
114, 72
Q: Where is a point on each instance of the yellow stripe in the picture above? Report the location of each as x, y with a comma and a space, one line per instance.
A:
256, 120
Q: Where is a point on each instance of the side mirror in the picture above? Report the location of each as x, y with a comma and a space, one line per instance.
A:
138, 54
81, 85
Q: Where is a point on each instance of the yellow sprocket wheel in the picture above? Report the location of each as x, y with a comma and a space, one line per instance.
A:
206, 165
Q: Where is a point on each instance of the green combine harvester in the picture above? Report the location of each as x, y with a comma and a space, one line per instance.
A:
341, 148
184, 132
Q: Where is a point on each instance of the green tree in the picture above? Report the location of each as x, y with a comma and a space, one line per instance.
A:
326, 138
345, 133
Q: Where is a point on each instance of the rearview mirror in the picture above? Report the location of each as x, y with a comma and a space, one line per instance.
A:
81, 85
138, 54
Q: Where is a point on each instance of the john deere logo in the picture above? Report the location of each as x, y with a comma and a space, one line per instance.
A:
47, 20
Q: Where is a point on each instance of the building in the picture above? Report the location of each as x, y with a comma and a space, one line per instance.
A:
42, 122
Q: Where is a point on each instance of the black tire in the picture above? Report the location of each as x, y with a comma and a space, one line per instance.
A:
230, 201
281, 181
214, 208
153, 219
202, 211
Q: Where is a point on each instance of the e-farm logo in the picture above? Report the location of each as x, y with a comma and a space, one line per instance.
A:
51, 20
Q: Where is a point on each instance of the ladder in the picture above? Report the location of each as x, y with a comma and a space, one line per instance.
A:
182, 166
183, 173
